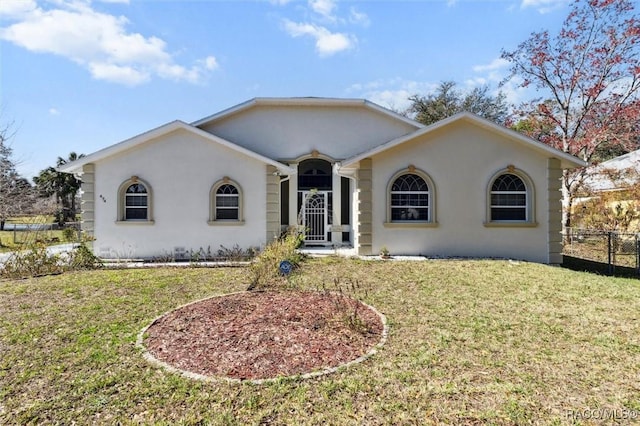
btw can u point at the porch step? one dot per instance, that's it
(323, 251)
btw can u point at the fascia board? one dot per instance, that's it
(114, 149)
(76, 166)
(310, 101)
(567, 160)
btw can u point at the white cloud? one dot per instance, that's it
(544, 6)
(494, 74)
(392, 93)
(324, 8)
(396, 100)
(327, 43)
(126, 75)
(495, 65)
(514, 92)
(210, 63)
(357, 17)
(16, 9)
(54, 111)
(100, 42)
(320, 23)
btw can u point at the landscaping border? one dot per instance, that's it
(313, 374)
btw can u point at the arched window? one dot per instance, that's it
(135, 201)
(225, 202)
(510, 198)
(410, 198)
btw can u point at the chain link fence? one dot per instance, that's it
(24, 234)
(608, 252)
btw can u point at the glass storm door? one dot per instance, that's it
(314, 214)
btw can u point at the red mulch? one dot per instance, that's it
(258, 335)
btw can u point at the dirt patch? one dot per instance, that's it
(261, 335)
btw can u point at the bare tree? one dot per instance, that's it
(17, 196)
(8, 178)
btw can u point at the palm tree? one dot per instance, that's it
(64, 186)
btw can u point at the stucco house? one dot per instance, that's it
(347, 170)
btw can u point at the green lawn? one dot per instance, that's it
(24, 239)
(11, 241)
(471, 342)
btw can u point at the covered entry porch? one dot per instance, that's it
(318, 200)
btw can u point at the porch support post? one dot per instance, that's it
(554, 176)
(336, 228)
(365, 207)
(87, 205)
(293, 197)
(273, 203)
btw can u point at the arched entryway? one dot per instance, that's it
(315, 199)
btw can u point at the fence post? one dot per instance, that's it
(638, 253)
(610, 254)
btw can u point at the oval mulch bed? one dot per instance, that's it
(264, 335)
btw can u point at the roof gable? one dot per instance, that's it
(76, 166)
(289, 128)
(567, 161)
(300, 102)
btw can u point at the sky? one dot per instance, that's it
(80, 75)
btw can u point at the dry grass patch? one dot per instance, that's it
(471, 342)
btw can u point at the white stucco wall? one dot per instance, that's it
(288, 132)
(181, 169)
(461, 160)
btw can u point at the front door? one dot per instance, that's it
(314, 215)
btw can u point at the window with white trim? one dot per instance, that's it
(136, 202)
(225, 203)
(509, 199)
(409, 199)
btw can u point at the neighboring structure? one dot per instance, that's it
(609, 196)
(598, 177)
(349, 171)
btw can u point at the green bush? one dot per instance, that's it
(264, 272)
(33, 262)
(83, 258)
(70, 234)
(37, 261)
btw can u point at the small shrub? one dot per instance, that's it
(165, 257)
(38, 261)
(345, 298)
(264, 272)
(236, 253)
(33, 262)
(83, 258)
(69, 234)
(199, 255)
